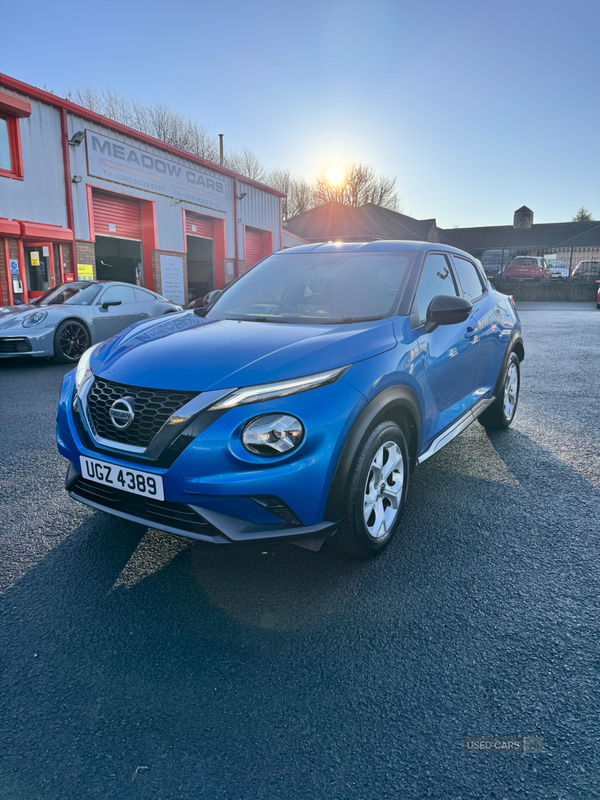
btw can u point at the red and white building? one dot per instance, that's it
(82, 196)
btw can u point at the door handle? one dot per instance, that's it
(141, 315)
(470, 332)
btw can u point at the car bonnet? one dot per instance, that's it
(188, 353)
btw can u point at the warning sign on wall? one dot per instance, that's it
(85, 272)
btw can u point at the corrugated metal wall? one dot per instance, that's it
(259, 210)
(40, 197)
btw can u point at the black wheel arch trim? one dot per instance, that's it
(515, 345)
(402, 406)
(84, 324)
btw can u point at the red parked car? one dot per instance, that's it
(527, 268)
(598, 295)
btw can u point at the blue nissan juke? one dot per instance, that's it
(296, 403)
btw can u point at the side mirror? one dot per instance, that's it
(446, 309)
(105, 306)
(200, 307)
(212, 296)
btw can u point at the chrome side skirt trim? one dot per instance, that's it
(457, 427)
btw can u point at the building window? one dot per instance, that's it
(11, 165)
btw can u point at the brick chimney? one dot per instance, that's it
(523, 218)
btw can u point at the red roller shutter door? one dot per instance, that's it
(115, 215)
(195, 225)
(253, 247)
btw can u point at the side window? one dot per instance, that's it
(11, 163)
(436, 278)
(142, 296)
(123, 293)
(469, 278)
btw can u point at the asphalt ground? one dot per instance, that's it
(136, 664)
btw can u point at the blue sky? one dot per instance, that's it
(476, 107)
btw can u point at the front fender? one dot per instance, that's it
(398, 403)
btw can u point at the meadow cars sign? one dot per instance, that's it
(119, 162)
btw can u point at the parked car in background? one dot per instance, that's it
(527, 268)
(559, 270)
(586, 271)
(296, 403)
(598, 295)
(494, 262)
(66, 320)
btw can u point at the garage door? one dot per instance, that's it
(196, 225)
(253, 247)
(115, 215)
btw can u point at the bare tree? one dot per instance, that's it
(361, 184)
(153, 119)
(246, 163)
(299, 192)
(583, 215)
(301, 197)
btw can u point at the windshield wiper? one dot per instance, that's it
(346, 320)
(264, 319)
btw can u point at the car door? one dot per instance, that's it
(448, 354)
(485, 324)
(112, 320)
(148, 305)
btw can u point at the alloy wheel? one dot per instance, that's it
(383, 491)
(511, 391)
(73, 341)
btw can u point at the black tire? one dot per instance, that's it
(495, 417)
(71, 340)
(354, 539)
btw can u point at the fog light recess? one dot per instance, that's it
(272, 435)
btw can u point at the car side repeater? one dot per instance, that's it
(447, 309)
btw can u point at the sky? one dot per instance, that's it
(477, 108)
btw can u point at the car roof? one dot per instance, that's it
(382, 245)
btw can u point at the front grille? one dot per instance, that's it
(15, 346)
(152, 408)
(160, 512)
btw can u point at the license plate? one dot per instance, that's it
(128, 480)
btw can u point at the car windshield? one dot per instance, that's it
(317, 288)
(59, 294)
(86, 296)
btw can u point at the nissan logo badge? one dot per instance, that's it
(122, 413)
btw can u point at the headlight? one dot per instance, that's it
(273, 434)
(84, 373)
(34, 319)
(271, 391)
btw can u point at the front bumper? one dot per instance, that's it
(214, 488)
(200, 523)
(27, 342)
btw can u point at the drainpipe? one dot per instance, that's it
(236, 266)
(68, 190)
(280, 225)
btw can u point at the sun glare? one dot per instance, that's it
(335, 175)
